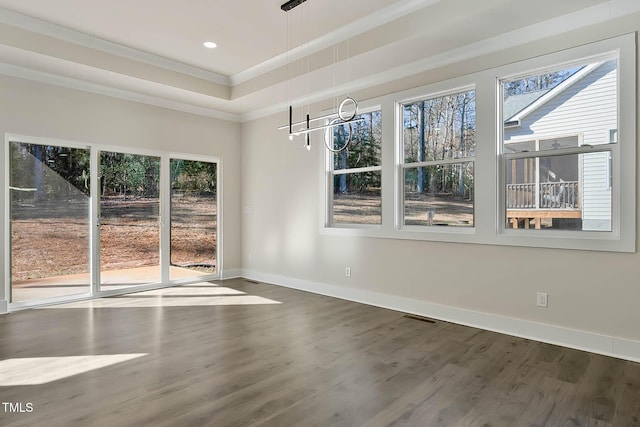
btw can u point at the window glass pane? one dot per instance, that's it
(571, 192)
(366, 142)
(129, 220)
(357, 198)
(579, 105)
(541, 144)
(439, 195)
(193, 218)
(440, 128)
(568, 102)
(49, 213)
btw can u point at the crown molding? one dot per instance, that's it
(39, 26)
(366, 23)
(100, 89)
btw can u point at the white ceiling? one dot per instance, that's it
(151, 51)
(248, 32)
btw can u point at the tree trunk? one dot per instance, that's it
(421, 145)
(462, 147)
(38, 172)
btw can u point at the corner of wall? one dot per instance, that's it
(232, 273)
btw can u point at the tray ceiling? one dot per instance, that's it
(151, 51)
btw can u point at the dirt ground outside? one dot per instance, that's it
(52, 239)
(447, 210)
(357, 209)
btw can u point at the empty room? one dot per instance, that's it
(319, 213)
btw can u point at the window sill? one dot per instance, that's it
(593, 241)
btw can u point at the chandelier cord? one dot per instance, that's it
(344, 117)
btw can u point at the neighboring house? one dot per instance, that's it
(569, 191)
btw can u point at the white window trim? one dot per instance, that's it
(402, 166)
(622, 236)
(489, 224)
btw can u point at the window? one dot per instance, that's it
(539, 152)
(557, 142)
(49, 203)
(355, 173)
(439, 140)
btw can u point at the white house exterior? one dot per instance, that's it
(582, 110)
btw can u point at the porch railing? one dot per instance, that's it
(549, 195)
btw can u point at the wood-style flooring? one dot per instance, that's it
(240, 353)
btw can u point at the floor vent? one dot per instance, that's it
(420, 318)
(252, 281)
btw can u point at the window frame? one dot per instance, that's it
(331, 173)
(489, 174)
(622, 235)
(403, 166)
(94, 253)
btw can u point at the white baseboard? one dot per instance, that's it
(4, 306)
(580, 340)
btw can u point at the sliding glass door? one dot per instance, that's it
(129, 220)
(193, 218)
(88, 222)
(49, 221)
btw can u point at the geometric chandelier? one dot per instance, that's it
(345, 114)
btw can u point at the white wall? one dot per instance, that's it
(594, 297)
(41, 110)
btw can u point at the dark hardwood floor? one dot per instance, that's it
(238, 353)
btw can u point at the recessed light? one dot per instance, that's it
(210, 45)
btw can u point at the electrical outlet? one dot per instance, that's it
(542, 299)
(347, 271)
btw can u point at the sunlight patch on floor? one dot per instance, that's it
(188, 295)
(42, 370)
(144, 300)
(185, 291)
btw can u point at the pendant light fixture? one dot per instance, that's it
(345, 113)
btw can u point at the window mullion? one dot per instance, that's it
(356, 170)
(438, 162)
(583, 149)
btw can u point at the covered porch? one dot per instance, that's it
(540, 204)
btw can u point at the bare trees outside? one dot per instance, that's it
(439, 147)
